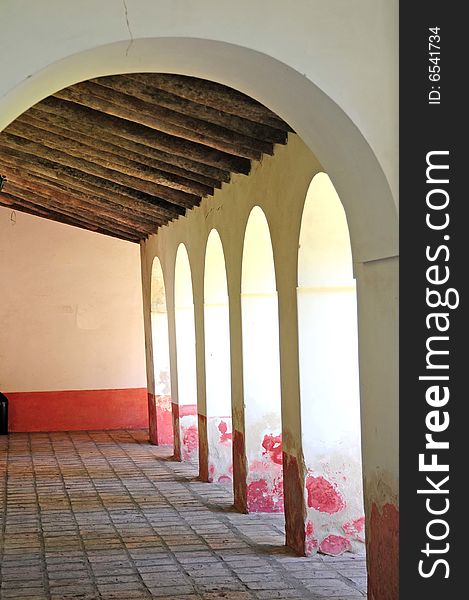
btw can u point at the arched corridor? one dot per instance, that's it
(261, 214)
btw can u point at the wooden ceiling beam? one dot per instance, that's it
(98, 156)
(124, 155)
(161, 192)
(51, 120)
(125, 106)
(113, 145)
(102, 202)
(22, 206)
(85, 216)
(94, 120)
(122, 195)
(73, 206)
(213, 94)
(159, 97)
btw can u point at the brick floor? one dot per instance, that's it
(104, 515)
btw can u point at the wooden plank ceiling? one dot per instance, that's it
(123, 155)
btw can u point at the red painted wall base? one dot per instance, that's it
(161, 420)
(74, 410)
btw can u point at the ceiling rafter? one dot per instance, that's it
(126, 154)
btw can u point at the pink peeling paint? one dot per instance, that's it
(190, 441)
(220, 442)
(355, 529)
(224, 436)
(311, 541)
(334, 545)
(272, 445)
(265, 490)
(264, 496)
(164, 428)
(259, 497)
(323, 496)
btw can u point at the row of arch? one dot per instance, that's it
(328, 372)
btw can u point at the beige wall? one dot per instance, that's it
(70, 308)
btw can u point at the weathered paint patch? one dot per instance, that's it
(265, 479)
(335, 545)
(187, 410)
(260, 498)
(187, 432)
(311, 541)
(355, 529)
(294, 504)
(220, 455)
(323, 496)
(239, 472)
(383, 553)
(272, 445)
(224, 479)
(265, 496)
(190, 441)
(203, 447)
(176, 432)
(224, 436)
(152, 435)
(164, 421)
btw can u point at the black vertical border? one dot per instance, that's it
(425, 128)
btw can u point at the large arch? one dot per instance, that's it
(327, 130)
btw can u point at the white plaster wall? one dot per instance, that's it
(327, 315)
(261, 369)
(217, 330)
(185, 334)
(71, 313)
(159, 327)
(217, 360)
(159, 330)
(261, 358)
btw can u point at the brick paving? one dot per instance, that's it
(105, 515)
